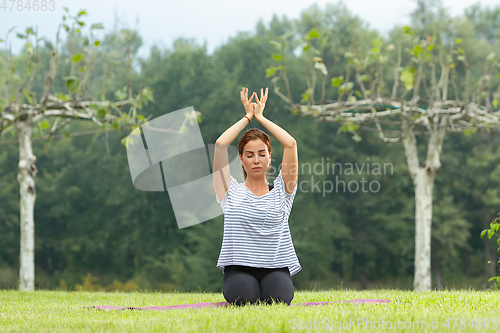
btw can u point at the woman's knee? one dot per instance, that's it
(277, 287)
(240, 288)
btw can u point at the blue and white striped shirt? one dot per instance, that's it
(256, 230)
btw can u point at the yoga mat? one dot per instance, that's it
(226, 304)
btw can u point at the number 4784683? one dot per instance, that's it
(28, 5)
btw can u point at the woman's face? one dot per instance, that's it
(255, 158)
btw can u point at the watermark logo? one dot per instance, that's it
(349, 177)
(168, 154)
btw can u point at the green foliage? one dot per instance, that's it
(77, 57)
(28, 97)
(337, 81)
(485, 22)
(3, 103)
(270, 71)
(275, 43)
(62, 96)
(312, 34)
(90, 285)
(470, 131)
(147, 95)
(407, 30)
(97, 26)
(72, 83)
(121, 94)
(493, 231)
(408, 77)
(377, 42)
(346, 87)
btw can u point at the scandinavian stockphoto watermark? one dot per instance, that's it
(168, 154)
(381, 324)
(311, 176)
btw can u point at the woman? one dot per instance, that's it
(257, 254)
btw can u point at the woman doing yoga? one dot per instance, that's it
(257, 254)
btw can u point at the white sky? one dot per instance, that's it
(161, 22)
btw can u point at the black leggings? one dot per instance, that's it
(243, 284)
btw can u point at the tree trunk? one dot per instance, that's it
(438, 282)
(423, 181)
(493, 262)
(26, 178)
(363, 281)
(488, 272)
(424, 185)
(468, 264)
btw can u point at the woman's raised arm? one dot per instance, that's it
(221, 172)
(289, 165)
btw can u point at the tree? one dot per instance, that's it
(363, 98)
(22, 113)
(486, 22)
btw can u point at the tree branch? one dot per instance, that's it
(52, 72)
(410, 144)
(396, 71)
(383, 137)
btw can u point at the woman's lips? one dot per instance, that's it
(256, 168)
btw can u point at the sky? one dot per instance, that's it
(161, 22)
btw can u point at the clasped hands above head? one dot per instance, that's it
(256, 108)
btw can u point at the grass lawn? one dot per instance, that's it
(55, 311)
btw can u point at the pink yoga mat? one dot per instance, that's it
(226, 304)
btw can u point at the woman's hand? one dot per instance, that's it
(260, 104)
(249, 107)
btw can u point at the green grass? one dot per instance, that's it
(55, 311)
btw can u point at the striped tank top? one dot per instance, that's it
(256, 230)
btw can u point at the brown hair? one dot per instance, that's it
(250, 135)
